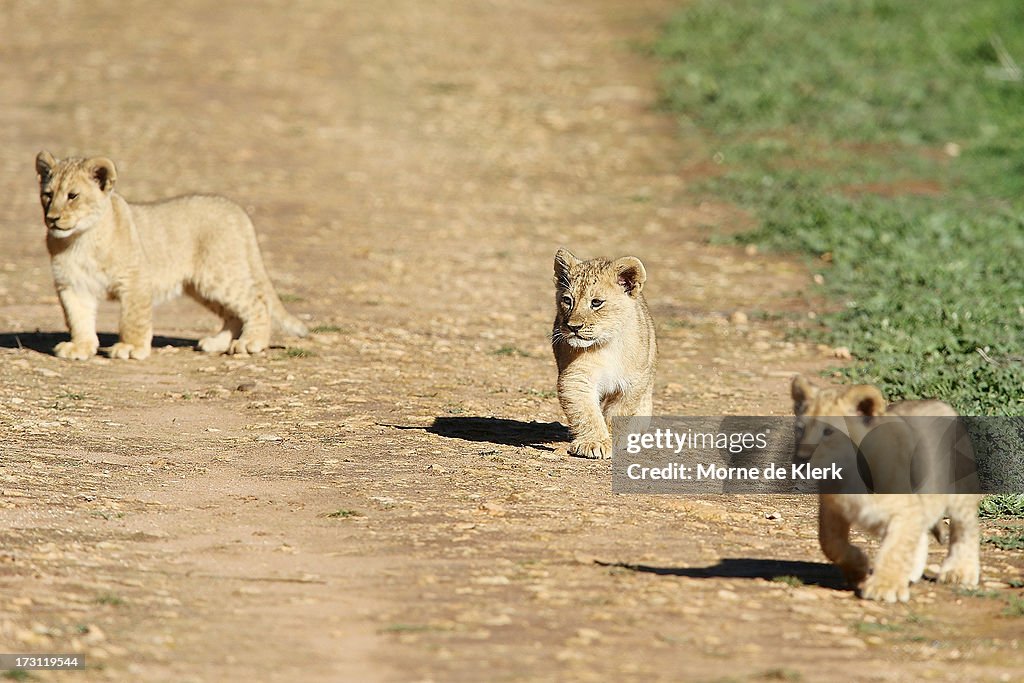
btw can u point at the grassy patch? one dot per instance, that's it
(18, 675)
(1013, 540)
(788, 580)
(298, 352)
(883, 139)
(327, 329)
(1009, 505)
(508, 350)
(866, 628)
(110, 599)
(343, 514)
(978, 593)
(780, 675)
(1014, 607)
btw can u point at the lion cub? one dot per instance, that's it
(902, 520)
(604, 347)
(103, 247)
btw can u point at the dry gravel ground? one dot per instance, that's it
(411, 167)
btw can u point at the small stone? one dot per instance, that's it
(842, 353)
(269, 437)
(819, 279)
(739, 318)
(775, 516)
(246, 386)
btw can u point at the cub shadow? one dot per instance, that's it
(501, 431)
(821, 574)
(43, 342)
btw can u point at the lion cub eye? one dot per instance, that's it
(47, 196)
(72, 195)
(566, 300)
(596, 303)
(828, 431)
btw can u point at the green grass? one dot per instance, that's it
(509, 350)
(868, 628)
(110, 599)
(343, 514)
(884, 140)
(1014, 606)
(18, 675)
(299, 352)
(789, 580)
(829, 119)
(1011, 505)
(326, 329)
(1012, 539)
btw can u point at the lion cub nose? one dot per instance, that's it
(574, 328)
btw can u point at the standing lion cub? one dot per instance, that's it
(834, 424)
(604, 346)
(103, 247)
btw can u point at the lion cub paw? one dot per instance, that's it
(243, 346)
(124, 351)
(876, 587)
(962, 573)
(73, 350)
(216, 343)
(593, 450)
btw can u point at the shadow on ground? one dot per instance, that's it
(43, 342)
(501, 430)
(808, 573)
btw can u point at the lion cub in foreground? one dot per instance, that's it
(902, 520)
(604, 347)
(103, 247)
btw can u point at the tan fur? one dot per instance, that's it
(103, 247)
(604, 346)
(902, 520)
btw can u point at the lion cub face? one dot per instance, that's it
(833, 421)
(73, 192)
(594, 297)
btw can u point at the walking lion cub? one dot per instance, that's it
(603, 340)
(103, 247)
(837, 424)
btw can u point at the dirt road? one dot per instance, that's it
(390, 499)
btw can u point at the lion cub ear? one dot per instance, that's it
(564, 261)
(866, 399)
(103, 172)
(803, 392)
(630, 275)
(44, 164)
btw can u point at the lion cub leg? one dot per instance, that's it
(834, 536)
(135, 328)
(80, 316)
(637, 405)
(245, 312)
(920, 559)
(895, 563)
(231, 329)
(961, 565)
(591, 438)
